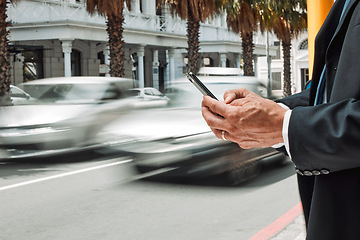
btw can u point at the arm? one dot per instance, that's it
(293, 101)
(296, 100)
(326, 136)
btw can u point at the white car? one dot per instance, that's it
(18, 96)
(148, 97)
(64, 116)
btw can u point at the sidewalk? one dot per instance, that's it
(294, 231)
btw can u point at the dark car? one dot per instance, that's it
(178, 140)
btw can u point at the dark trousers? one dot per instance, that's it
(331, 205)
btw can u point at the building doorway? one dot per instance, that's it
(75, 63)
(33, 65)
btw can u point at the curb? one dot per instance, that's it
(295, 230)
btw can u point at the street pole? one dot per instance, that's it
(317, 11)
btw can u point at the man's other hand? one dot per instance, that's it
(248, 119)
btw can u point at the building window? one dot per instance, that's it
(227, 63)
(276, 80)
(101, 57)
(304, 45)
(304, 77)
(277, 44)
(208, 62)
(33, 65)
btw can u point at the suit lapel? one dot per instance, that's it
(343, 23)
(342, 20)
(322, 43)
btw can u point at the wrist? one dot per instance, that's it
(278, 137)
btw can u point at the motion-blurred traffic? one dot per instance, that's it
(159, 131)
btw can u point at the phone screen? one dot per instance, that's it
(199, 85)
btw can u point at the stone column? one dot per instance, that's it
(223, 19)
(223, 59)
(17, 74)
(238, 60)
(136, 6)
(255, 65)
(172, 64)
(106, 52)
(67, 49)
(141, 54)
(155, 68)
(167, 71)
(149, 7)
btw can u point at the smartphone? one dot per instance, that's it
(199, 85)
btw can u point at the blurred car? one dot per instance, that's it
(84, 90)
(178, 139)
(217, 80)
(65, 115)
(18, 96)
(148, 97)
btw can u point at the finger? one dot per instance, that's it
(248, 144)
(229, 96)
(240, 102)
(239, 93)
(222, 134)
(215, 106)
(213, 120)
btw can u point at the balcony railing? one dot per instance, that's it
(39, 12)
(47, 11)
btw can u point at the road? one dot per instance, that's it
(103, 198)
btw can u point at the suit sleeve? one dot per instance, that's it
(299, 99)
(296, 100)
(326, 136)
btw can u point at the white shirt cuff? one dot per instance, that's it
(285, 130)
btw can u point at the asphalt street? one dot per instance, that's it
(104, 198)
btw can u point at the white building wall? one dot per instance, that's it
(45, 22)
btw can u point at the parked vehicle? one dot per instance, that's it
(65, 115)
(148, 97)
(178, 139)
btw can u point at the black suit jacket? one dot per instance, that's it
(325, 140)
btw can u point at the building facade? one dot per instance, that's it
(51, 38)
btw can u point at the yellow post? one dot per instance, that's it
(317, 11)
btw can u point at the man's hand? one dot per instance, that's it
(248, 119)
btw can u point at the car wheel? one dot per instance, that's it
(242, 172)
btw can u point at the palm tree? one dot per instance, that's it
(194, 11)
(287, 19)
(113, 10)
(242, 19)
(5, 99)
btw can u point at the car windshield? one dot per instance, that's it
(133, 92)
(66, 92)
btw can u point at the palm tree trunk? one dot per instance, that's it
(4, 57)
(116, 43)
(247, 53)
(287, 68)
(193, 27)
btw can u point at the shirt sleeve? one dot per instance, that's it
(285, 130)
